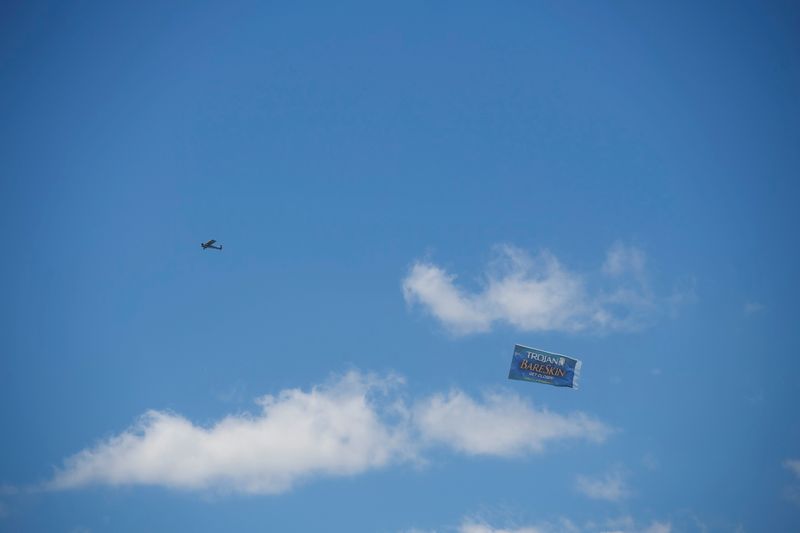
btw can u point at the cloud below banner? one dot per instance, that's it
(349, 425)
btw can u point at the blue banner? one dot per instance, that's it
(530, 364)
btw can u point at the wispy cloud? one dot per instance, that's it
(611, 487)
(537, 293)
(508, 520)
(624, 260)
(7, 490)
(350, 425)
(474, 527)
(491, 428)
(650, 461)
(624, 524)
(792, 492)
(793, 466)
(751, 308)
(658, 527)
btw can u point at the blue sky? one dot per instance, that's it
(403, 193)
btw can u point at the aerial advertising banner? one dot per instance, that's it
(530, 364)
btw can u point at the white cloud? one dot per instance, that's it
(434, 288)
(331, 430)
(492, 428)
(348, 426)
(611, 487)
(535, 294)
(624, 524)
(474, 527)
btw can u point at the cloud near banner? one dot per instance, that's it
(537, 293)
(352, 424)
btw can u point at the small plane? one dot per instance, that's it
(210, 244)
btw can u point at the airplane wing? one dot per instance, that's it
(209, 243)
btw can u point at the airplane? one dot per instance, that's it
(210, 244)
